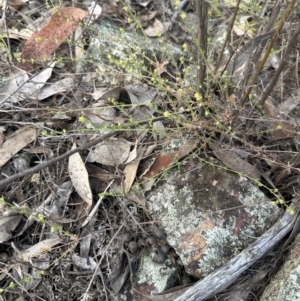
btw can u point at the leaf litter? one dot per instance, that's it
(65, 111)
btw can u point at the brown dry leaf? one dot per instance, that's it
(157, 29)
(110, 152)
(43, 43)
(80, 178)
(165, 160)
(39, 248)
(131, 169)
(281, 128)
(16, 142)
(234, 162)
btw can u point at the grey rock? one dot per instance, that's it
(124, 55)
(285, 285)
(210, 214)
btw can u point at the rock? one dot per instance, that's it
(285, 285)
(210, 214)
(153, 277)
(123, 55)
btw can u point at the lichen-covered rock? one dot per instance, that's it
(285, 285)
(210, 214)
(152, 278)
(124, 55)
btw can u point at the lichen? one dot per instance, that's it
(209, 215)
(160, 275)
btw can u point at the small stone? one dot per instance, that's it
(165, 248)
(142, 242)
(150, 241)
(160, 258)
(133, 247)
(126, 238)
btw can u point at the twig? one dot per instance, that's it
(254, 58)
(227, 37)
(264, 59)
(102, 256)
(202, 12)
(289, 48)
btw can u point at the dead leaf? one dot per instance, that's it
(60, 86)
(16, 4)
(163, 161)
(159, 129)
(234, 162)
(148, 17)
(79, 47)
(170, 294)
(7, 225)
(40, 150)
(2, 130)
(281, 127)
(84, 263)
(289, 104)
(99, 173)
(19, 87)
(16, 142)
(94, 9)
(119, 274)
(39, 248)
(131, 169)
(140, 94)
(157, 29)
(80, 178)
(107, 93)
(132, 155)
(100, 116)
(43, 43)
(37, 24)
(110, 152)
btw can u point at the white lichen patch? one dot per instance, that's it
(257, 205)
(159, 275)
(218, 240)
(177, 216)
(291, 291)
